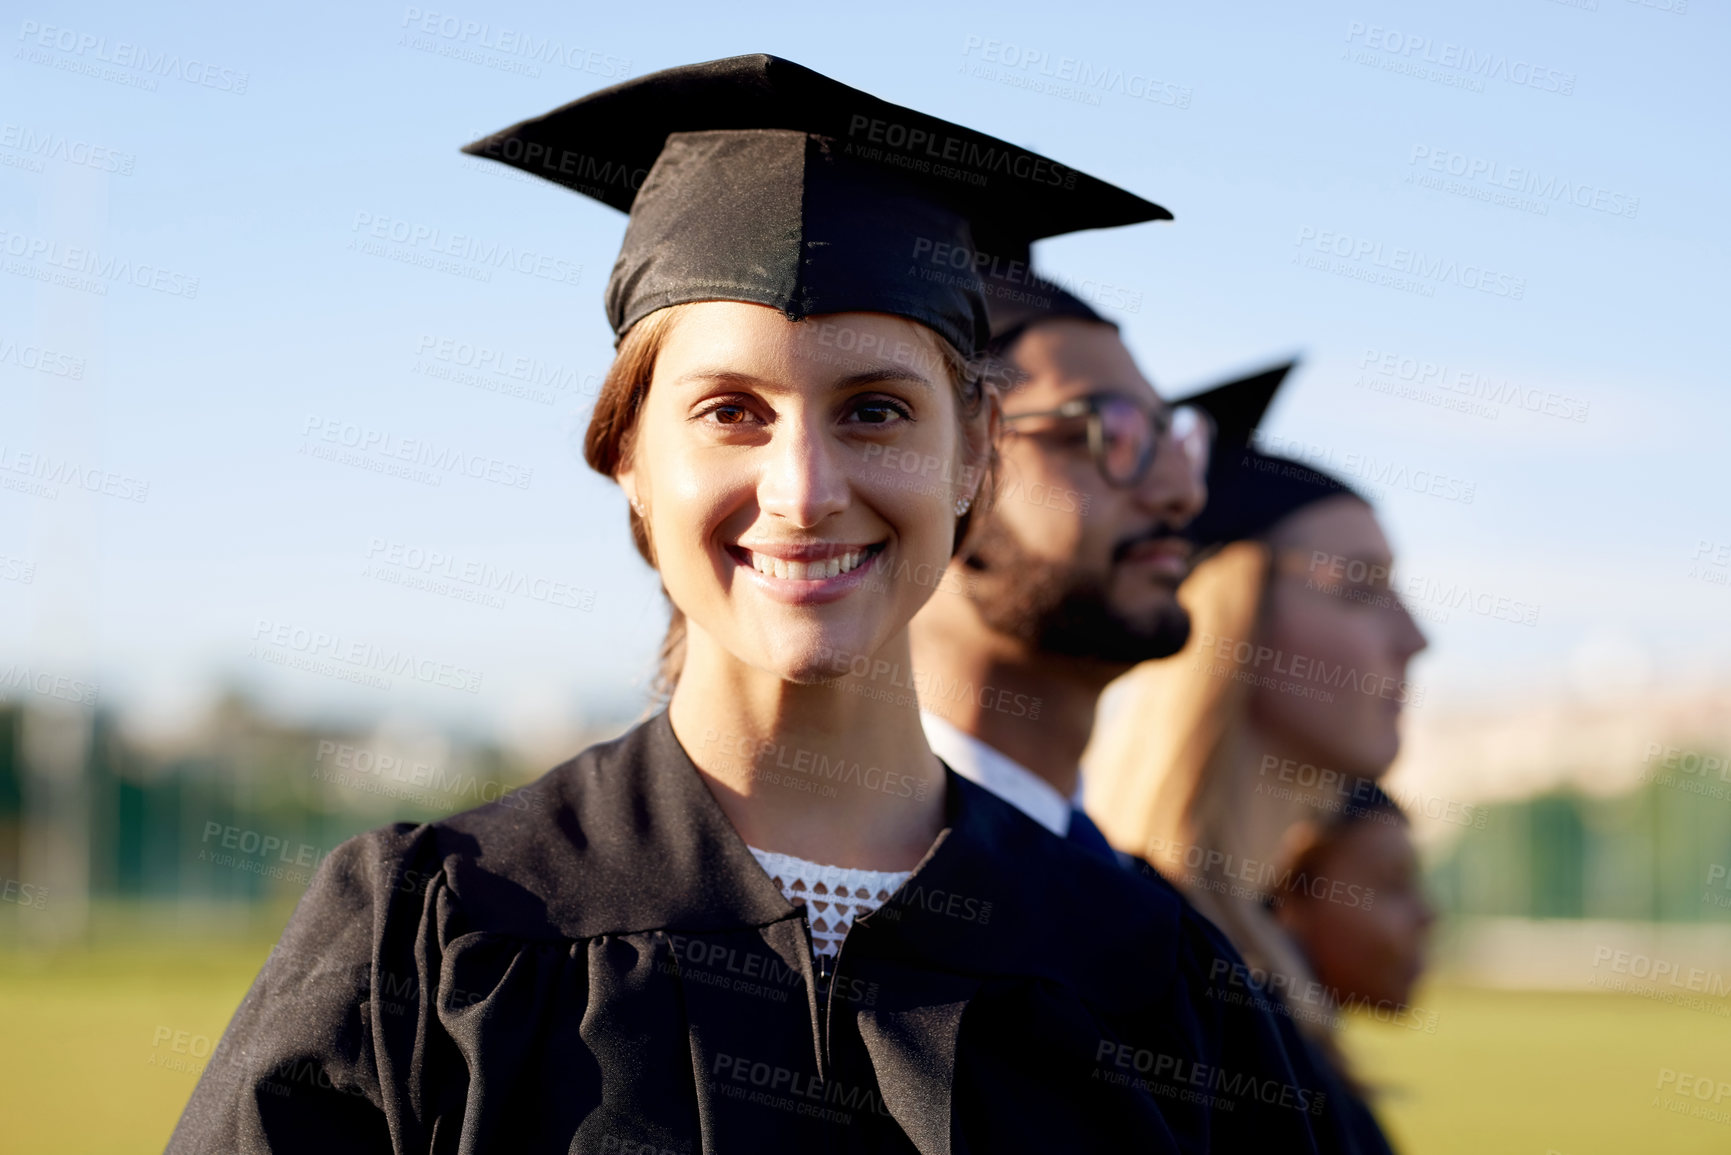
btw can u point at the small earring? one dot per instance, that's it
(637, 507)
(963, 504)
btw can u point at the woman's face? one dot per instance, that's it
(1341, 640)
(798, 481)
(1372, 950)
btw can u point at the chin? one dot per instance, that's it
(1384, 755)
(1367, 758)
(1154, 603)
(1157, 632)
(815, 670)
(817, 657)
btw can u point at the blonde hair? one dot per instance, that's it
(1171, 776)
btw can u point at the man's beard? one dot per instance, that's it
(1052, 608)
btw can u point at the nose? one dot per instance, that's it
(804, 477)
(1409, 640)
(1173, 489)
(1426, 913)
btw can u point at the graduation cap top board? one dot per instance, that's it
(755, 179)
(1248, 490)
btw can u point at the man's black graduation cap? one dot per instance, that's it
(755, 179)
(1017, 297)
(1248, 490)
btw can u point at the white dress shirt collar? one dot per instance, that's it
(1002, 775)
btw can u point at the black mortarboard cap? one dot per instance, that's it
(756, 179)
(1248, 490)
(1017, 297)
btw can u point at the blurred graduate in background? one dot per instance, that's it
(1245, 767)
(1070, 580)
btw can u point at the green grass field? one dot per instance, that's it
(1571, 1074)
(102, 1048)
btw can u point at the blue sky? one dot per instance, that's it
(1539, 181)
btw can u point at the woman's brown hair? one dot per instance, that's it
(607, 446)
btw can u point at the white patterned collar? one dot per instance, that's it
(1001, 774)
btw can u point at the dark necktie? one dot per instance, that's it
(1085, 834)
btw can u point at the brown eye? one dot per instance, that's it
(880, 411)
(726, 413)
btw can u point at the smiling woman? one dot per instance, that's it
(768, 918)
(847, 407)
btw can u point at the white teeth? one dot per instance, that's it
(807, 571)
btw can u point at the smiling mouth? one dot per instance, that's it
(1172, 551)
(840, 561)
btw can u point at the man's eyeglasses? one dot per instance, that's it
(1123, 437)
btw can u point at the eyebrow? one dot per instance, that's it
(1303, 560)
(1382, 561)
(873, 375)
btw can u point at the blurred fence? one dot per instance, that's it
(241, 810)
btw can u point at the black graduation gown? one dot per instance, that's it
(1349, 1124)
(1365, 1134)
(1341, 1122)
(597, 964)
